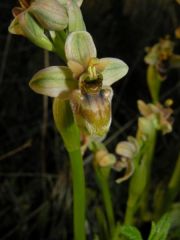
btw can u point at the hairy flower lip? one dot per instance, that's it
(92, 112)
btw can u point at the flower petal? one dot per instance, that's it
(53, 81)
(144, 109)
(80, 47)
(112, 69)
(24, 3)
(15, 27)
(76, 68)
(33, 31)
(16, 11)
(50, 14)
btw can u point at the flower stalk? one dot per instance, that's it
(167, 195)
(66, 126)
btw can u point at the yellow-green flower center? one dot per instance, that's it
(91, 81)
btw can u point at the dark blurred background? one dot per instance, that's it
(35, 185)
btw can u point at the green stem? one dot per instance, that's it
(167, 197)
(140, 181)
(102, 178)
(78, 194)
(130, 210)
(154, 81)
(58, 40)
(174, 183)
(148, 162)
(102, 223)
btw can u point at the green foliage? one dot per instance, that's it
(159, 230)
(131, 232)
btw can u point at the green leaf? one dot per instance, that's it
(131, 232)
(175, 215)
(112, 70)
(50, 14)
(53, 81)
(159, 230)
(33, 31)
(76, 22)
(80, 47)
(65, 124)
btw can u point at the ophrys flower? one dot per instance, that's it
(160, 115)
(85, 82)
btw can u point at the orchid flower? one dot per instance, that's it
(160, 115)
(125, 151)
(33, 16)
(162, 57)
(85, 82)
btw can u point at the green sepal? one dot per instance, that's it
(76, 22)
(154, 82)
(53, 81)
(33, 31)
(65, 124)
(64, 2)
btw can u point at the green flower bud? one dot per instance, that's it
(51, 15)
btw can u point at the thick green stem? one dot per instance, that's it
(78, 194)
(69, 131)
